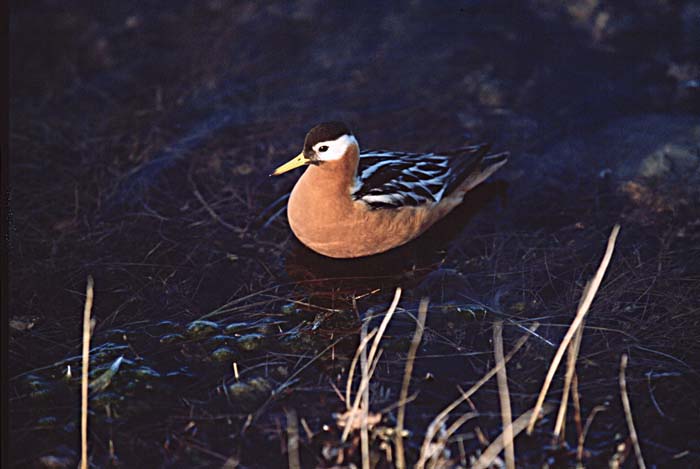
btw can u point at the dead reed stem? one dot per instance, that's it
(576, 398)
(589, 293)
(572, 356)
(491, 453)
(351, 373)
(628, 413)
(293, 439)
(84, 379)
(403, 396)
(504, 395)
(364, 406)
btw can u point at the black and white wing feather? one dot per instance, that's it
(388, 179)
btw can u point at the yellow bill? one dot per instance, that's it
(299, 160)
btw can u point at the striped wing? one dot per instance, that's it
(388, 179)
(397, 179)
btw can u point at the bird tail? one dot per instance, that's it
(489, 165)
(475, 167)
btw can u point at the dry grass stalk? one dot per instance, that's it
(447, 434)
(452, 429)
(364, 406)
(307, 429)
(576, 399)
(628, 413)
(572, 356)
(589, 293)
(504, 395)
(87, 311)
(372, 360)
(293, 439)
(403, 397)
(491, 453)
(351, 373)
(442, 416)
(584, 433)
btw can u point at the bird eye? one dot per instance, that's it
(323, 148)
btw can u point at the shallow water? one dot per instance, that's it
(141, 139)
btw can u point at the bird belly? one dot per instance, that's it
(356, 231)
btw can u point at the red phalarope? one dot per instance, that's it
(350, 203)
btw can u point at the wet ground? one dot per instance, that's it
(142, 134)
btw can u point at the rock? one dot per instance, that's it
(676, 160)
(223, 354)
(171, 338)
(56, 462)
(289, 308)
(202, 329)
(222, 340)
(250, 342)
(163, 327)
(23, 323)
(108, 351)
(249, 394)
(145, 372)
(236, 327)
(102, 399)
(48, 421)
(653, 159)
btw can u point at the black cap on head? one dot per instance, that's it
(324, 132)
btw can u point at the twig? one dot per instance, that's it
(398, 404)
(589, 293)
(628, 413)
(307, 429)
(84, 379)
(584, 433)
(215, 216)
(293, 439)
(191, 443)
(504, 395)
(456, 424)
(403, 396)
(653, 398)
(491, 453)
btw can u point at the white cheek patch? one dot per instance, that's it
(336, 148)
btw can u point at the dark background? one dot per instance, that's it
(141, 137)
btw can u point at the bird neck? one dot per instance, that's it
(334, 177)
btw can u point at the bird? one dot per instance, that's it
(350, 203)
